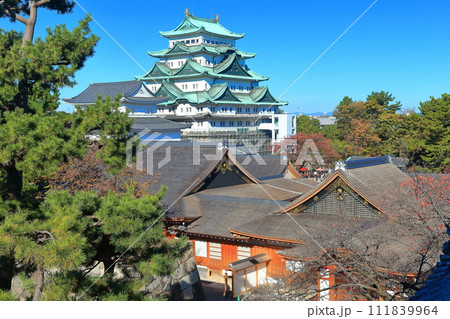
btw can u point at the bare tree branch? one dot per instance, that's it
(41, 2)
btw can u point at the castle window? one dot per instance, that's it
(247, 110)
(239, 109)
(213, 109)
(255, 109)
(222, 123)
(247, 123)
(239, 123)
(231, 123)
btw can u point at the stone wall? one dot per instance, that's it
(183, 284)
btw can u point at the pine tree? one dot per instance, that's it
(61, 235)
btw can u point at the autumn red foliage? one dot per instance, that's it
(325, 149)
(91, 174)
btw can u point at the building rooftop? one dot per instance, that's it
(181, 49)
(156, 124)
(192, 25)
(229, 68)
(125, 89)
(437, 285)
(217, 94)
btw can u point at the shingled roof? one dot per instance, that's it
(264, 166)
(437, 286)
(184, 169)
(112, 89)
(219, 213)
(365, 233)
(371, 182)
(156, 124)
(400, 162)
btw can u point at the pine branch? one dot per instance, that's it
(42, 233)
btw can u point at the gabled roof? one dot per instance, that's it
(112, 89)
(217, 94)
(169, 90)
(181, 49)
(190, 68)
(231, 66)
(262, 94)
(370, 182)
(159, 69)
(194, 25)
(186, 169)
(228, 68)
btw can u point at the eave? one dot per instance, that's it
(283, 240)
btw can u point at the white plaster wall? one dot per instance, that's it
(153, 86)
(186, 109)
(201, 85)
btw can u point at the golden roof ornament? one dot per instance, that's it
(217, 18)
(186, 12)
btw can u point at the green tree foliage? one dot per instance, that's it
(376, 127)
(60, 235)
(35, 138)
(431, 137)
(71, 233)
(346, 101)
(307, 125)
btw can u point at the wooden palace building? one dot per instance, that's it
(253, 220)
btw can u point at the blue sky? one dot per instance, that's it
(400, 46)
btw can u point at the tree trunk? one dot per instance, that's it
(39, 284)
(7, 268)
(13, 187)
(30, 24)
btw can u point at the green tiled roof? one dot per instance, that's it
(168, 89)
(193, 25)
(218, 93)
(180, 49)
(228, 68)
(160, 69)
